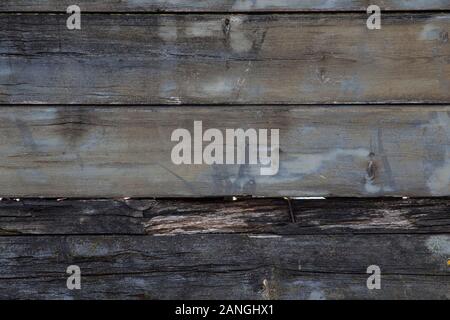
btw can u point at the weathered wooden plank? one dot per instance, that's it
(233, 285)
(256, 216)
(70, 217)
(221, 5)
(272, 216)
(226, 266)
(224, 59)
(126, 152)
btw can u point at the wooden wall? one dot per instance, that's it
(86, 176)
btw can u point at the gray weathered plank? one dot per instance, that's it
(256, 216)
(224, 59)
(226, 266)
(92, 151)
(220, 5)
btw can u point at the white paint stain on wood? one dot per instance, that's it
(244, 5)
(439, 245)
(439, 181)
(436, 29)
(239, 42)
(312, 163)
(219, 87)
(168, 33)
(200, 29)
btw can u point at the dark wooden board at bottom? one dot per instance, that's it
(324, 255)
(226, 266)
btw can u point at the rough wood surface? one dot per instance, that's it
(219, 216)
(224, 59)
(264, 65)
(226, 266)
(346, 151)
(221, 5)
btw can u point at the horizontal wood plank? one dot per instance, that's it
(126, 152)
(224, 59)
(220, 5)
(274, 216)
(255, 216)
(226, 266)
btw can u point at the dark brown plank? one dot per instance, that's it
(256, 216)
(343, 151)
(70, 217)
(226, 266)
(221, 5)
(224, 59)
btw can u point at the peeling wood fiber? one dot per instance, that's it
(219, 216)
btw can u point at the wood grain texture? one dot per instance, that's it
(272, 216)
(221, 5)
(224, 59)
(220, 216)
(226, 266)
(341, 151)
